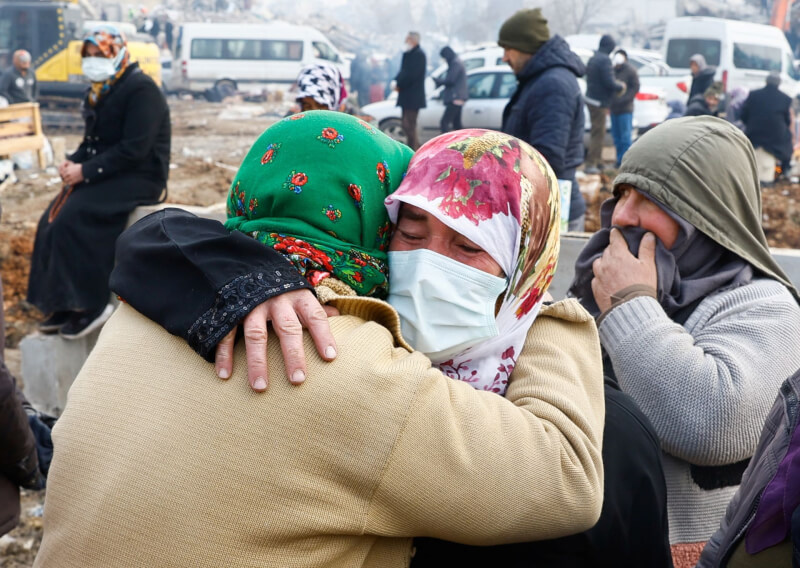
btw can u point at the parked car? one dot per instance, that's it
(490, 87)
(743, 53)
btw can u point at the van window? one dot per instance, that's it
(753, 56)
(247, 49)
(324, 51)
(680, 50)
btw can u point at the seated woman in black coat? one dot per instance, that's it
(122, 162)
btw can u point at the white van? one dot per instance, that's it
(246, 56)
(743, 53)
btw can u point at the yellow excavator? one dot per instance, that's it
(52, 32)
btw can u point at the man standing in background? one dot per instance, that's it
(622, 104)
(546, 110)
(767, 118)
(600, 90)
(455, 93)
(702, 75)
(18, 83)
(411, 87)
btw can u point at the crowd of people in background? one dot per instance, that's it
(634, 423)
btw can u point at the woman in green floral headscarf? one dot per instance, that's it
(332, 171)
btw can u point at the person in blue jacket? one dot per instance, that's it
(546, 110)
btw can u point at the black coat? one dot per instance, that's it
(125, 161)
(702, 81)
(455, 80)
(600, 84)
(411, 80)
(546, 111)
(623, 104)
(18, 459)
(767, 121)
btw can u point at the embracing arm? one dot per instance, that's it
(198, 280)
(533, 459)
(707, 393)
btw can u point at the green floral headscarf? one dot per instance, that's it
(312, 187)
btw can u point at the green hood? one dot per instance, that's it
(704, 169)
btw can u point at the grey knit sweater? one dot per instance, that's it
(706, 386)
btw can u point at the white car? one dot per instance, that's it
(489, 91)
(490, 87)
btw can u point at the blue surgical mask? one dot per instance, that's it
(98, 69)
(445, 306)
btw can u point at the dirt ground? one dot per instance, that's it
(208, 143)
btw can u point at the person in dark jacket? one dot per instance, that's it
(702, 75)
(19, 464)
(18, 83)
(707, 103)
(122, 162)
(455, 91)
(411, 87)
(622, 104)
(546, 110)
(601, 87)
(767, 119)
(761, 524)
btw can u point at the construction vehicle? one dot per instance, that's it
(53, 32)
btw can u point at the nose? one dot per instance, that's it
(625, 213)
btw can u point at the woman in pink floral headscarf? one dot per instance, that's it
(500, 195)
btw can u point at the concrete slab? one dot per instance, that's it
(50, 365)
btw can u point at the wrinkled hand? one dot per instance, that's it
(71, 173)
(289, 314)
(618, 269)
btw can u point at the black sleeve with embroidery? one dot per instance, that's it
(196, 279)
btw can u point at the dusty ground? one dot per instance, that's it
(208, 143)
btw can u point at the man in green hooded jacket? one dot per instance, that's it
(698, 322)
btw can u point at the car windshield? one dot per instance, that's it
(680, 50)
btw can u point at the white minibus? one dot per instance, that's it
(743, 53)
(246, 56)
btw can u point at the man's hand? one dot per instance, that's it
(71, 173)
(289, 314)
(618, 269)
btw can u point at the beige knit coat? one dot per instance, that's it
(158, 463)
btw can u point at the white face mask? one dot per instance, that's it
(445, 306)
(618, 59)
(97, 69)
(409, 46)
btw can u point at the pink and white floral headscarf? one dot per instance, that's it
(500, 193)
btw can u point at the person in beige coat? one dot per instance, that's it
(158, 463)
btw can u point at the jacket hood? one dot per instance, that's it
(447, 53)
(704, 169)
(554, 53)
(607, 44)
